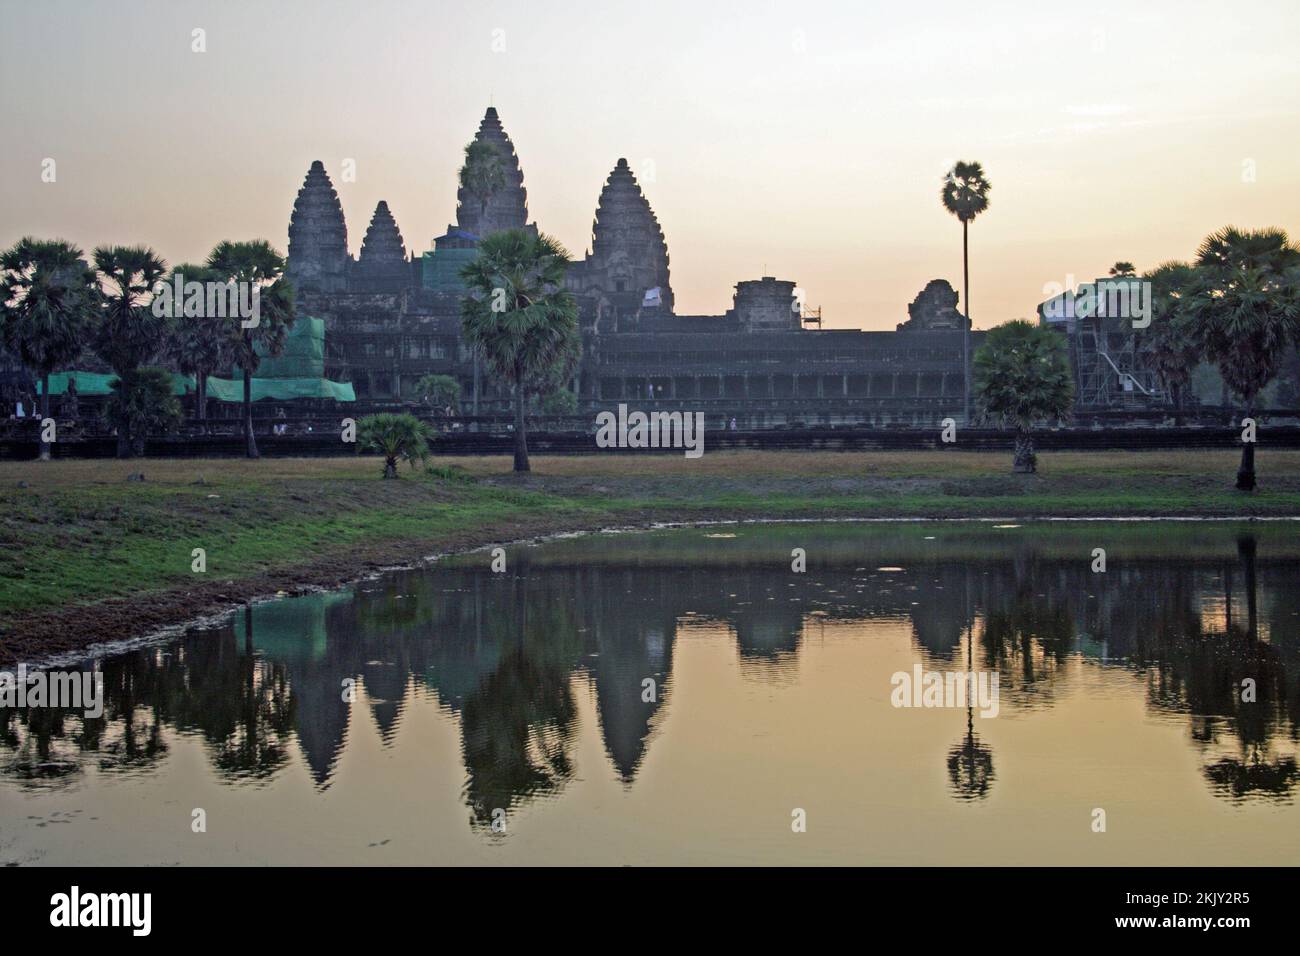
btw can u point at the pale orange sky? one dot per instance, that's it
(803, 140)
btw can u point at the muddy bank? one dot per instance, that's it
(42, 634)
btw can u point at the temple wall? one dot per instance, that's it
(385, 342)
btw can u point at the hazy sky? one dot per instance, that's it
(799, 139)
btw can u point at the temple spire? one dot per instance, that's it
(318, 235)
(382, 250)
(628, 251)
(506, 206)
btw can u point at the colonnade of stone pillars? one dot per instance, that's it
(901, 385)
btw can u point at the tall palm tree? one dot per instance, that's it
(1243, 308)
(518, 316)
(200, 344)
(48, 300)
(129, 334)
(1023, 378)
(965, 194)
(256, 263)
(1123, 270)
(482, 175)
(1165, 344)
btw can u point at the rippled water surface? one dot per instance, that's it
(679, 696)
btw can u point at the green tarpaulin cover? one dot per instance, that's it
(280, 389)
(297, 372)
(90, 384)
(303, 355)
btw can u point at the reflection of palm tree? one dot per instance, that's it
(517, 731)
(518, 724)
(1028, 637)
(1239, 779)
(970, 763)
(970, 766)
(1246, 547)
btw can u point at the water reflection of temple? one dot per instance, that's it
(506, 653)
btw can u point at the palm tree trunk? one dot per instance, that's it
(250, 439)
(476, 386)
(521, 435)
(1024, 462)
(201, 395)
(45, 413)
(965, 335)
(390, 467)
(1246, 471)
(125, 448)
(1246, 549)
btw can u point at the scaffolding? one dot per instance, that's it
(1109, 370)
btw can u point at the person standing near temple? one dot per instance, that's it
(70, 407)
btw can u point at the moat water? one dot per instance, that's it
(685, 696)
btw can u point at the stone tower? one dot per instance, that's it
(628, 252)
(508, 207)
(383, 254)
(767, 305)
(318, 235)
(934, 309)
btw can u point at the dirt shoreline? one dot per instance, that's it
(40, 635)
(65, 633)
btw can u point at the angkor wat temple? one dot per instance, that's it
(392, 317)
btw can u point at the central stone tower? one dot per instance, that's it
(507, 208)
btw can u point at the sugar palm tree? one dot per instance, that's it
(1123, 270)
(200, 344)
(1165, 345)
(129, 334)
(1022, 379)
(394, 437)
(965, 194)
(256, 263)
(518, 316)
(482, 175)
(48, 300)
(1243, 308)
